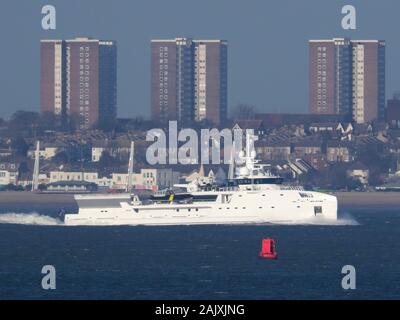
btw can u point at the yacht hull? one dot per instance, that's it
(243, 207)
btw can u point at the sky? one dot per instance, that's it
(268, 44)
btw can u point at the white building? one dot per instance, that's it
(48, 150)
(116, 149)
(56, 176)
(8, 173)
(147, 179)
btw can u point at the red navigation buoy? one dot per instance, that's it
(268, 249)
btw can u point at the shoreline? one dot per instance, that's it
(345, 199)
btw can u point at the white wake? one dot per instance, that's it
(29, 219)
(343, 220)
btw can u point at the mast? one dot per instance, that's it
(231, 172)
(130, 167)
(35, 178)
(250, 154)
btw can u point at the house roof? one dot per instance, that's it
(120, 143)
(358, 166)
(333, 125)
(360, 128)
(248, 124)
(308, 142)
(272, 143)
(11, 167)
(340, 144)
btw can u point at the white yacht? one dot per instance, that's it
(251, 195)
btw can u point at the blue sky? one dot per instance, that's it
(268, 52)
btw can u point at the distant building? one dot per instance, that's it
(79, 78)
(306, 119)
(273, 150)
(48, 150)
(251, 124)
(307, 146)
(393, 112)
(71, 187)
(8, 174)
(330, 76)
(151, 179)
(116, 148)
(340, 151)
(189, 80)
(368, 80)
(360, 172)
(56, 176)
(347, 77)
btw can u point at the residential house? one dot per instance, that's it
(255, 124)
(152, 179)
(115, 148)
(8, 174)
(359, 172)
(48, 149)
(56, 176)
(71, 187)
(307, 146)
(273, 149)
(340, 151)
(362, 129)
(325, 127)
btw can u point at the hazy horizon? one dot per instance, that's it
(267, 44)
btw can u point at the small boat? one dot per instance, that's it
(268, 250)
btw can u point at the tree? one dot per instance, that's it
(61, 158)
(106, 125)
(354, 184)
(49, 121)
(243, 112)
(42, 187)
(20, 146)
(24, 121)
(106, 160)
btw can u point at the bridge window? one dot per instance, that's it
(305, 195)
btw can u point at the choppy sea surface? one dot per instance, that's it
(199, 262)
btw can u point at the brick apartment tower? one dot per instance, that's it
(348, 78)
(53, 76)
(368, 80)
(330, 76)
(79, 78)
(189, 80)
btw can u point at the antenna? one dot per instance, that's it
(130, 167)
(35, 178)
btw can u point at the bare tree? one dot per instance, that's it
(243, 112)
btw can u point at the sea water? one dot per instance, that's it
(200, 262)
